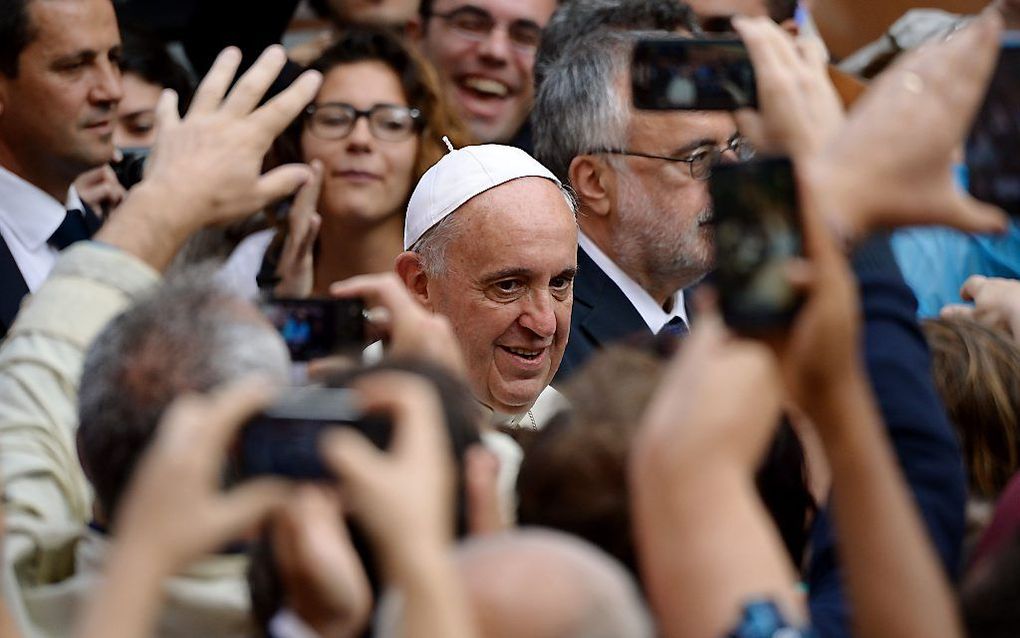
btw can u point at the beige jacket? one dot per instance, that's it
(51, 559)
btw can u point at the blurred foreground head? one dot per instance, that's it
(188, 335)
(536, 583)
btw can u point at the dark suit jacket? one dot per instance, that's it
(602, 315)
(12, 288)
(899, 365)
(12, 285)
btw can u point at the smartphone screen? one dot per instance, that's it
(757, 231)
(315, 328)
(678, 73)
(284, 440)
(993, 148)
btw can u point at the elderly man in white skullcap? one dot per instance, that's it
(491, 243)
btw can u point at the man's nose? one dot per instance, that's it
(496, 47)
(108, 86)
(540, 316)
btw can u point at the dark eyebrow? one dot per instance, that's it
(570, 273)
(469, 8)
(77, 56)
(523, 22)
(505, 273)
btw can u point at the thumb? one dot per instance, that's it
(281, 182)
(250, 503)
(351, 456)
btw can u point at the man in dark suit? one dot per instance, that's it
(59, 88)
(640, 179)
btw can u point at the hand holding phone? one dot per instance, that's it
(284, 439)
(689, 74)
(758, 231)
(315, 328)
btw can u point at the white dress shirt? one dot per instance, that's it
(28, 218)
(648, 308)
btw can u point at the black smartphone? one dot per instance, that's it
(315, 328)
(284, 439)
(757, 230)
(993, 148)
(678, 73)
(131, 168)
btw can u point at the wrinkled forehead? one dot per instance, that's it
(538, 11)
(527, 219)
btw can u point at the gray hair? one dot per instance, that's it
(572, 20)
(432, 246)
(187, 335)
(609, 602)
(579, 106)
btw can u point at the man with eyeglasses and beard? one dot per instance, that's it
(641, 181)
(484, 51)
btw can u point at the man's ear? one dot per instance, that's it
(594, 182)
(416, 280)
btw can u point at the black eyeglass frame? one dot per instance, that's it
(469, 10)
(417, 119)
(714, 155)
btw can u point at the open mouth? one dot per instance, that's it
(527, 354)
(485, 87)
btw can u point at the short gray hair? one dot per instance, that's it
(579, 106)
(188, 335)
(432, 246)
(572, 20)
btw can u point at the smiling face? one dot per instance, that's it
(365, 179)
(488, 76)
(57, 115)
(508, 289)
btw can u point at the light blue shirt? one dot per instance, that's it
(936, 261)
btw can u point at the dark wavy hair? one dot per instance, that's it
(418, 80)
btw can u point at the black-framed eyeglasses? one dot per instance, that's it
(475, 24)
(388, 122)
(700, 160)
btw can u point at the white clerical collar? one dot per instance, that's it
(648, 308)
(31, 214)
(548, 404)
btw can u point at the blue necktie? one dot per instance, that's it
(676, 327)
(78, 225)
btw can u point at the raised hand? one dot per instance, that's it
(100, 190)
(891, 165)
(410, 330)
(207, 168)
(321, 572)
(799, 111)
(296, 269)
(996, 303)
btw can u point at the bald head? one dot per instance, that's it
(536, 583)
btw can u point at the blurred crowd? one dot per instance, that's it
(550, 413)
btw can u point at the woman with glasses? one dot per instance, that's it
(373, 129)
